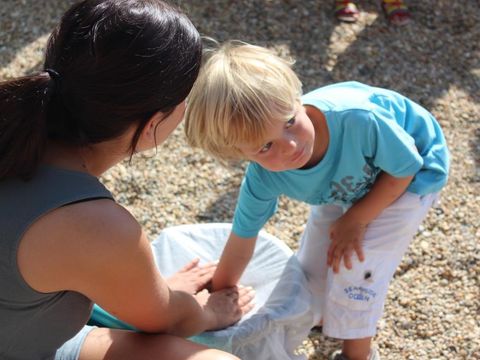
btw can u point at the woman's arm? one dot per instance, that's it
(98, 249)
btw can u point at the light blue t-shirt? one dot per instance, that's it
(371, 130)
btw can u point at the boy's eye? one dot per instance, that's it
(290, 123)
(266, 147)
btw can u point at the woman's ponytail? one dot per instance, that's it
(110, 65)
(23, 126)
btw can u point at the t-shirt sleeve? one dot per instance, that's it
(390, 147)
(256, 204)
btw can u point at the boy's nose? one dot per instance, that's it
(289, 146)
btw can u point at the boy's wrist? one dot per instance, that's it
(215, 285)
(358, 214)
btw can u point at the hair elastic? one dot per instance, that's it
(54, 75)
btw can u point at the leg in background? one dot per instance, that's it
(357, 349)
(396, 11)
(346, 10)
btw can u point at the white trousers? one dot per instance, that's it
(351, 301)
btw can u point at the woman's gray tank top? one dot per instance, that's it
(34, 325)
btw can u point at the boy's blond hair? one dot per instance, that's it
(240, 90)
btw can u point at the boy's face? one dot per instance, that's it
(289, 145)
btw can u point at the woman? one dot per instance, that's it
(116, 75)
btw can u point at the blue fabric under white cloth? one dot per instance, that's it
(283, 313)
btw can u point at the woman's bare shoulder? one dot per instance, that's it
(76, 237)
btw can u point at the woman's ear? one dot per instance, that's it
(148, 132)
(147, 138)
(159, 127)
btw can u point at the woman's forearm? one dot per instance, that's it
(188, 316)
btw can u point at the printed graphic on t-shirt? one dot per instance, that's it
(350, 188)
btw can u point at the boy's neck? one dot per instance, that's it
(321, 135)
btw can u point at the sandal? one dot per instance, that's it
(396, 12)
(346, 10)
(316, 330)
(337, 355)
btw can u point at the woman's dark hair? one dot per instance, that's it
(108, 64)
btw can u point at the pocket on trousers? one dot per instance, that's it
(361, 287)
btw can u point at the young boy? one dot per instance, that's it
(370, 162)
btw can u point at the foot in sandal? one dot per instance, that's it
(396, 12)
(346, 10)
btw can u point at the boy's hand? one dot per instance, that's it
(192, 277)
(346, 235)
(348, 231)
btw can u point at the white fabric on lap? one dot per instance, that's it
(283, 314)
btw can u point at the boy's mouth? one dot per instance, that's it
(298, 155)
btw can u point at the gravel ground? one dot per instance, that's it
(433, 307)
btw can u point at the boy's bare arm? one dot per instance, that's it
(348, 231)
(384, 192)
(235, 257)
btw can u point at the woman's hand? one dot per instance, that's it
(225, 307)
(346, 236)
(192, 277)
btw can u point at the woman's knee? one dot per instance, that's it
(212, 354)
(105, 344)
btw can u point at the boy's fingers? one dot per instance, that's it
(330, 253)
(207, 272)
(243, 290)
(246, 298)
(191, 265)
(204, 279)
(359, 251)
(334, 253)
(246, 308)
(337, 257)
(347, 259)
(335, 265)
(210, 265)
